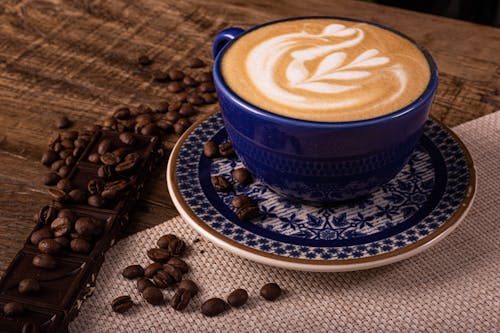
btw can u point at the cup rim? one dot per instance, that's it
(426, 94)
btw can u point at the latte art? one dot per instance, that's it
(326, 70)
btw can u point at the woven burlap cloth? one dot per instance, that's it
(452, 287)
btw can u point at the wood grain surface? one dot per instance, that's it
(79, 58)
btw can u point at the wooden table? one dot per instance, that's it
(79, 58)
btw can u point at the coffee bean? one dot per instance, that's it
(94, 158)
(151, 270)
(57, 165)
(77, 196)
(140, 125)
(127, 138)
(57, 147)
(129, 163)
(63, 155)
(86, 226)
(210, 149)
(28, 287)
(162, 279)
(221, 184)
(63, 241)
(106, 171)
(188, 285)
(78, 151)
(67, 144)
(122, 113)
(165, 125)
(49, 157)
(195, 99)
(144, 60)
(64, 185)
(208, 98)
(237, 297)
(242, 200)
(67, 213)
(213, 307)
(63, 122)
(160, 76)
(270, 291)
(13, 309)
(189, 81)
(95, 186)
(175, 75)
(110, 194)
(45, 261)
(80, 245)
(174, 106)
(179, 263)
(248, 212)
(153, 295)
(164, 241)
(181, 126)
(242, 176)
(109, 123)
(121, 152)
(61, 226)
(226, 150)
(117, 185)
(69, 160)
(144, 283)
(53, 139)
(162, 107)
(175, 87)
(47, 214)
(64, 171)
(146, 117)
(173, 244)
(42, 233)
(122, 304)
(187, 110)
(195, 63)
(150, 130)
(206, 87)
(49, 246)
(80, 143)
(29, 327)
(104, 146)
(109, 159)
(159, 255)
(181, 299)
(51, 178)
(205, 77)
(172, 116)
(57, 195)
(133, 272)
(173, 271)
(96, 201)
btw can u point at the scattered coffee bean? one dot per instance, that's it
(122, 304)
(242, 176)
(175, 75)
(187, 110)
(109, 123)
(28, 287)
(150, 130)
(173, 271)
(162, 107)
(67, 213)
(64, 171)
(67, 144)
(153, 295)
(151, 270)
(13, 309)
(160, 76)
(49, 246)
(121, 152)
(206, 87)
(65, 154)
(181, 96)
(237, 297)
(189, 81)
(69, 160)
(181, 126)
(42, 233)
(96, 201)
(80, 245)
(213, 307)
(242, 200)
(122, 113)
(143, 109)
(47, 214)
(181, 299)
(104, 146)
(210, 149)
(189, 285)
(172, 116)
(57, 147)
(165, 240)
(53, 139)
(95, 186)
(133, 272)
(144, 283)
(165, 125)
(94, 158)
(144, 60)
(179, 263)
(173, 244)
(64, 185)
(63, 122)
(270, 291)
(195, 63)
(175, 87)
(77, 196)
(248, 212)
(63, 241)
(106, 171)
(195, 99)
(221, 184)
(49, 157)
(144, 118)
(208, 98)
(109, 159)
(45, 261)
(51, 178)
(174, 106)
(162, 279)
(226, 150)
(205, 77)
(57, 165)
(159, 255)
(78, 151)
(86, 226)
(57, 195)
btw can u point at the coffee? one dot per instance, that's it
(326, 70)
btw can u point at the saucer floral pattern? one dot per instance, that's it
(422, 197)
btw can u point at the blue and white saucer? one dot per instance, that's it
(417, 209)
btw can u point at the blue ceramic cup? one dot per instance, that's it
(320, 162)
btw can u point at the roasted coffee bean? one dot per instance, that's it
(117, 185)
(51, 178)
(109, 123)
(28, 287)
(65, 154)
(92, 128)
(106, 171)
(221, 184)
(140, 125)
(270, 291)
(153, 295)
(42, 233)
(57, 165)
(49, 157)
(67, 144)
(129, 163)
(121, 152)
(175, 75)
(188, 285)
(205, 77)
(127, 138)
(173, 271)
(64, 185)
(146, 117)
(53, 139)
(226, 150)
(133, 272)
(80, 143)
(104, 146)
(181, 126)
(122, 113)
(75, 235)
(69, 160)
(195, 99)
(208, 98)
(63, 122)
(175, 87)
(187, 110)
(189, 81)
(172, 116)
(206, 87)
(63, 171)
(195, 63)
(177, 247)
(109, 159)
(213, 307)
(144, 60)
(29, 327)
(144, 283)
(242, 200)
(159, 75)
(80, 245)
(95, 186)
(45, 261)
(174, 106)
(159, 255)
(63, 241)
(164, 241)
(77, 196)
(248, 212)
(67, 213)
(94, 158)
(151, 270)
(49, 246)
(13, 309)
(242, 176)
(144, 109)
(162, 279)
(96, 201)
(122, 304)
(179, 263)
(57, 195)
(150, 130)
(87, 226)
(165, 125)
(61, 226)
(181, 299)
(162, 107)
(78, 151)
(237, 297)
(47, 214)
(110, 194)
(57, 147)
(210, 149)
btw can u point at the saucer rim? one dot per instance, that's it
(315, 265)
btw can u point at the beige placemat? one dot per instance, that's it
(453, 287)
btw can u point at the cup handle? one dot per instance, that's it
(224, 37)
